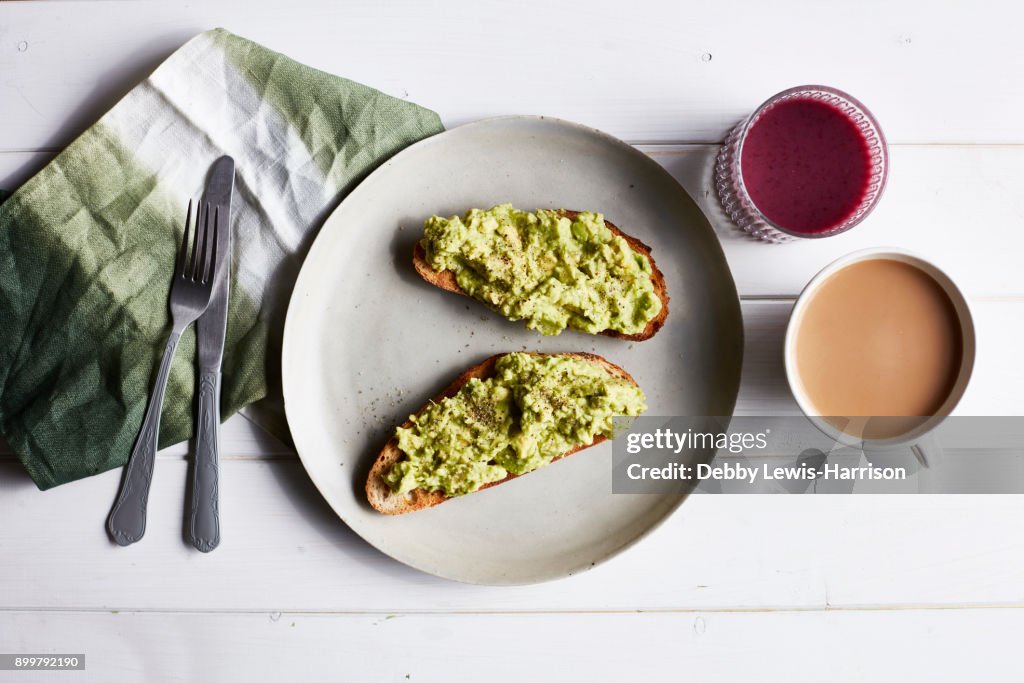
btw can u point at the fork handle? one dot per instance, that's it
(204, 525)
(127, 520)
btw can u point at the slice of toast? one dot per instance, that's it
(445, 279)
(386, 501)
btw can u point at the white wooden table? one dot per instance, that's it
(798, 588)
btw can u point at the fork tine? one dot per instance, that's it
(211, 260)
(183, 252)
(199, 243)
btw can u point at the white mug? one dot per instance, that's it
(920, 438)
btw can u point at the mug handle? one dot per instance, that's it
(927, 449)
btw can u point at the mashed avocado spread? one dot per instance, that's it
(532, 410)
(546, 269)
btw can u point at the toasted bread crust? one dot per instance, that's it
(445, 279)
(385, 501)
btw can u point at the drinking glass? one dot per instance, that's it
(729, 175)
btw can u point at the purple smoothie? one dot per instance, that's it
(806, 165)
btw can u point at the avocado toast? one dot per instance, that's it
(509, 415)
(553, 268)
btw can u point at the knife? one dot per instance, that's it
(204, 517)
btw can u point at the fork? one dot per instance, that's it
(190, 296)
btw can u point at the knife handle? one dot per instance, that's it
(204, 524)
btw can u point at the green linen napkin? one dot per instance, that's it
(87, 246)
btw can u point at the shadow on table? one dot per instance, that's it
(314, 510)
(13, 474)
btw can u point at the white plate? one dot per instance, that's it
(367, 343)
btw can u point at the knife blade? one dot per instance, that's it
(204, 520)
